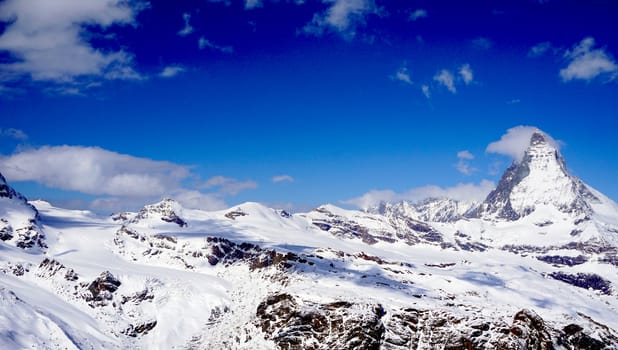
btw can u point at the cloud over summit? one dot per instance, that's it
(516, 140)
(462, 192)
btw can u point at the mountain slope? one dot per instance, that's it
(19, 221)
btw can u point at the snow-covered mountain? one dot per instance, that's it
(539, 179)
(19, 220)
(535, 266)
(428, 210)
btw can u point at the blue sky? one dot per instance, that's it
(110, 104)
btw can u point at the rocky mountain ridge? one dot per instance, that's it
(19, 220)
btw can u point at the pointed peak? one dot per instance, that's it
(538, 138)
(541, 178)
(542, 141)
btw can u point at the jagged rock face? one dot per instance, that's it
(294, 324)
(141, 329)
(540, 178)
(166, 210)
(397, 226)
(50, 267)
(430, 210)
(102, 289)
(441, 209)
(529, 330)
(19, 220)
(343, 227)
(235, 213)
(7, 191)
(585, 280)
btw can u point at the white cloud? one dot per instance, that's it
(343, 17)
(228, 185)
(481, 43)
(66, 90)
(93, 170)
(419, 13)
(193, 199)
(494, 168)
(251, 4)
(463, 166)
(190, 199)
(171, 71)
(187, 29)
(444, 77)
(14, 134)
(466, 73)
(203, 43)
(9, 92)
(425, 90)
(402, 75)
(225, 2)
(540, 49)
(120, 181)
(461, 192)
(587, 63)
(48, 39)
(373, 198)
(123, 182)
(282, 178)
(465, 154)
(108, 205)
(516, 140)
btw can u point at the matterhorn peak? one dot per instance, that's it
(543, 159)
(544, 149)
(538, 138)
(540, 178)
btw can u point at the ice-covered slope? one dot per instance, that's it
(249, 277)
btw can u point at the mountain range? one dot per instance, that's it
(533, 266)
